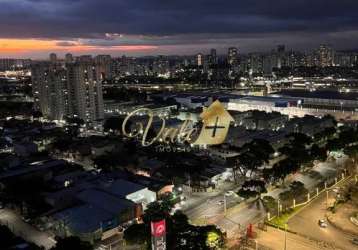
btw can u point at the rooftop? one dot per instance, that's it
(122, 188)
(84, 218)
(323, 94)
(105, 201)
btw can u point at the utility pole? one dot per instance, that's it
(278, 207)
(285, 236)
(224, 204)
(189, 185)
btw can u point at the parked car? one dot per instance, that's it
(26, 219)
(221, 202)
(322, 223)
(229, 193)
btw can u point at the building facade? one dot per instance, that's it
(73, 90)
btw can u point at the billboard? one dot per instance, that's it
(158, 231)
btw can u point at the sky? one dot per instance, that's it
(35, 28)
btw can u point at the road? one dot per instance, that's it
(239, 214)
(275, 239)
(306, 223)
(25, 230)
(206, 208)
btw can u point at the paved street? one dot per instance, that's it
(306, 223)
(22, 229)
(208, 208)
(275, 239)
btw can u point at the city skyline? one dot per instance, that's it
(35, 28)
(173, 125)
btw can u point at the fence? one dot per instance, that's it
(312, 195)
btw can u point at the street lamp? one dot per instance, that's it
(278, 207)
(224, 204)
(285, 236)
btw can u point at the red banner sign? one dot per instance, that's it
(158, 228)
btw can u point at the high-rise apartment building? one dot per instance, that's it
(85, 98)
(104, 66)
(232, 57)
(73, 90)
(49, 89)
(68, 58)
(53, 58)
(213, 59)
(325, 56)
(199, 59)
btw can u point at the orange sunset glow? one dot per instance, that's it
(17, 46)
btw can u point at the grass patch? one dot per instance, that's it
(280, 222)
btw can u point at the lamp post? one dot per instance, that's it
(278, 207)
(224, 204)
(285, 236)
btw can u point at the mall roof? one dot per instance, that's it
(323, 94)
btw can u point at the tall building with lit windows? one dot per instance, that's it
(199, 59)
(49, 86)
(213, 59)
(232, 57)
(326, 56)
(73, 90)
(85, 99)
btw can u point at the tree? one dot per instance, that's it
(180, 234)
(252, 188)
(114, 124)
(281, 169)
(9, 240)
(156, 211)
(136, 234)
(318, 153)
(297, 189)
(36, 114)
(351, 151)
(299, 139)
(347, 136)
(72, 242)
(334, 144)
(252, 156)
(330, 118)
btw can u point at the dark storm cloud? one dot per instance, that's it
(173, 21)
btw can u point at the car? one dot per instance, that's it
(355, 241)
(229, 193)
(26, 219)
(322, 223)
(336, 190)
(220, 202)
